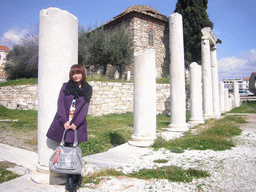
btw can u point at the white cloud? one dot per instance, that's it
(14, 36)
(241, 66)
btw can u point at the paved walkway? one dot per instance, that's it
(27, 162)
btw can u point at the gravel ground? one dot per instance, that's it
(231, 170)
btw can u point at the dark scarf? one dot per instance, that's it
(73, 89)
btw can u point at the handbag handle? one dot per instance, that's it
(75, 138)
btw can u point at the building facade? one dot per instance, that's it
(243, 84)
(3, 53)
(149, 29)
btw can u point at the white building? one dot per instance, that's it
(243, 84)
(3, 52)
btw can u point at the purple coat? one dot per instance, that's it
(56, 129)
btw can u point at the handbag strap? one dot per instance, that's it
(75, 138)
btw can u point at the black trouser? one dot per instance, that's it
(76, 177)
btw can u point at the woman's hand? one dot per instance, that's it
(67, 125)
(73, 126)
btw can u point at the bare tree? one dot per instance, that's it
(22, 61)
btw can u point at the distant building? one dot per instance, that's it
(243, 84)
(3, 53)
(149, 29)
(252, 84)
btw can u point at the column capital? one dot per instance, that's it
(214, 48)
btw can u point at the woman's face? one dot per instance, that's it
(77, 77)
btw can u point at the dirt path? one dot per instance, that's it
(20, 139)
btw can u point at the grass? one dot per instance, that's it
(172, 173)
(32, 81)
(97, 176)
(104, 132)
(26, 119)
(247, 107)
(6, 175)
(216, 137)
(107, 131)
(22, 81)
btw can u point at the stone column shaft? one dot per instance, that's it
(226, 99)
(222, 100)
(196, 111)
(177, 74)
(144, 122)
(236, 94)
(58, 51)
(215, 84)
(207, 79)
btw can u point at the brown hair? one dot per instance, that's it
(77, 69)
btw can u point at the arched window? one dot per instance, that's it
(151, 37)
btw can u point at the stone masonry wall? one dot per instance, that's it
(108, 97)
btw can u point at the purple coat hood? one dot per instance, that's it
(56, 129)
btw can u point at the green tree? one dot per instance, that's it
(195, 18)
(22, 60)
(121, 51)
(100, 47)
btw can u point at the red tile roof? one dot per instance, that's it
(144, 9)
(246, 79)
(4, 48)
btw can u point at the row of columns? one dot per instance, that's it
(216, 99)
(58, 34)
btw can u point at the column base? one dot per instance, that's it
(181, 127)
(42, 175)
(217, 115)
(196, 121)
(142, 141)
(208, 116)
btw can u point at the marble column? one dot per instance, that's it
(236, 94)
(58, 51)
(196, 111)
(144, 121)
(226, 100)
(222, 101)
(231, 101)
(207, 79)
(177, 74)
(215, 83)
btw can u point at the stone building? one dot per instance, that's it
(149, 29)
(3, 52)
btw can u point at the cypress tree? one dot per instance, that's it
(195, 18)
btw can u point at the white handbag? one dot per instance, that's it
(67, 159)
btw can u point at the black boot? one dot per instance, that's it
(70, 184)
(78, 181)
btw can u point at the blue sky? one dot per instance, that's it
(234, 23)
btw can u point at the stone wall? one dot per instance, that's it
(108, 97)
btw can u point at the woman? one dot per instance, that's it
(73, 104)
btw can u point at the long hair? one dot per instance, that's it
(77, 69)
